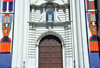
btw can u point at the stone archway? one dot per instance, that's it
(50, 52)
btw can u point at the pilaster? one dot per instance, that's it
(79, 34)
(17, 57)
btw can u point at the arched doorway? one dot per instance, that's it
(50, 52)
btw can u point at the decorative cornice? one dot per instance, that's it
(49, 3)
(49, 22)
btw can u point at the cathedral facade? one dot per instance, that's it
(44, 34)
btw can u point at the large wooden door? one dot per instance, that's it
(50, 53)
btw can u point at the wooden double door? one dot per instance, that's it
(50, 53)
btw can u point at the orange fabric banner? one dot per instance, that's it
(5, 47)
(94, 46)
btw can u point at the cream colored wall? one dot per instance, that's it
(60, 31)
(60, 15)
(25, 47)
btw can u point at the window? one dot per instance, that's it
(50, 15)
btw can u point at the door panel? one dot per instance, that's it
(50, 53)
